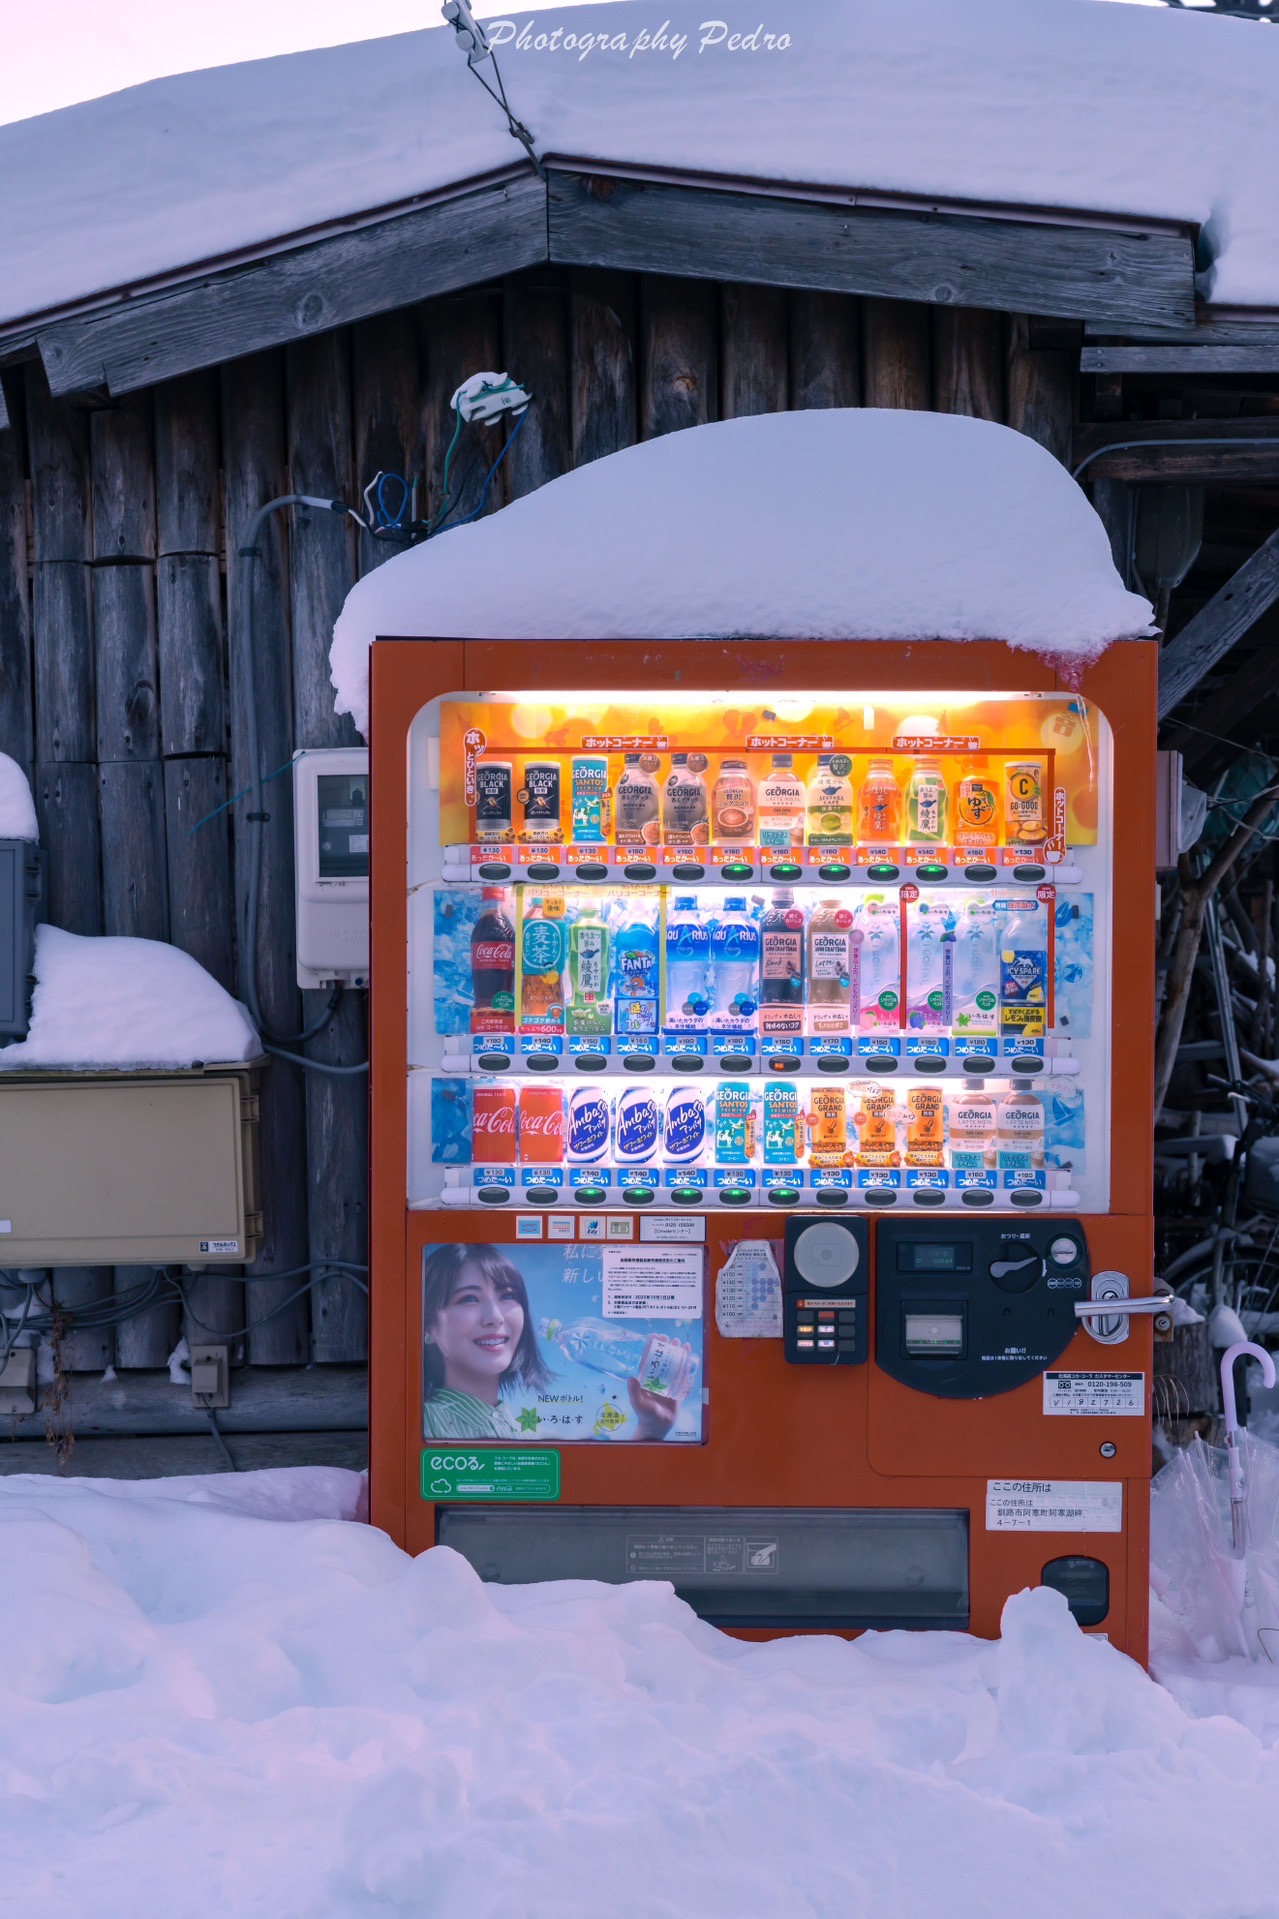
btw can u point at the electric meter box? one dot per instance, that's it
(331, 863)
(136, 1169)
(21, 905)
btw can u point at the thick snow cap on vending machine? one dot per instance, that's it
(851, 523)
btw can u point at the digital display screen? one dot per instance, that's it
(934, 1256)
(934, 1335)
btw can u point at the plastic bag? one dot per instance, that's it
(1227, 1605)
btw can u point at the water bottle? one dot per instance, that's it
(688, 960)
(880, 996)
(659, 1363)
(735, 968)
(635, 975)
(976, 970)
(926, 968)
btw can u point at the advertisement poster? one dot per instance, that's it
(562, 1343)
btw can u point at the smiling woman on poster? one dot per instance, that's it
(480, 1344)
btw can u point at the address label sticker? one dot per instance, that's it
(1110, 1395)
(1054, 1506)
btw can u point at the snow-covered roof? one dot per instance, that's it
(126, 1003)
(1140, 111)
(843, 524)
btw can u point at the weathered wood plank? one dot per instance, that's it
(603, 414)
(145, 1339)
(135, 891)
(201, 896)
(535, 333)
(1179, 450)
(163, 1456)
(1263, 357)
(122, 460)
(754, 372)
(191, 653)
(455, 243)
(62, 644)
(215, 1310)
(968, 362)
(1041, 391)
(943, 258)
(322, 545)
(126, 667)
(58, 453)
(187, 460)
(679, 355)
(825, 350)
(337, 1127)
(1229, 614)
(1214, 719)
(287, 1400)
(461, 337)
(66, 796)
(386, 385)
(6, 420)
(254, 454)
(17, 714)
(896, 343)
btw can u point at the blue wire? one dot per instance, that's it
(484, 491)
(392, 523)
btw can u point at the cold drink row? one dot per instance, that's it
(838, 974)
(977, 799)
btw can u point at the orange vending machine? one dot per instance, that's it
(762, 1121)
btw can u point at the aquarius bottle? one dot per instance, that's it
(734, 952)
(927, 804)
(688, 958)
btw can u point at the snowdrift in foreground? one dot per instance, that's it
(852, 523)
(126, 1002)
(234, 1717)
(17, 808)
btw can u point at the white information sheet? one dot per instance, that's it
(689, 1227)
(748, 1292)
(661, 1282)
(1054, 1506)
(1110, 1395)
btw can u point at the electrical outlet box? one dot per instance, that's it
(211, 1376)
(18, 1384)
(21, 906)
(331, 865)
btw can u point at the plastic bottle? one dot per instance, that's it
(542, 957)
(1019, 1126)
(781, 933)
(972, 1120)
(880, 991)
(927, 997)
(781, 805)
(685, 807)
(829, 802)
(493, 962)
(587, 961)
(879, 806)
(635, 972)
(830, 928)
(636, 804)
(975, 979)
(976, 807)
(733, 805)
(927, 804)
(688, 959)
(735, 968)
(1023, 958)
(660, 1364)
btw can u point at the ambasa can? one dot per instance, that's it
(493, 1125)
(684, 1125)
(590, 1114)
(637, 1126)
(541, 1126)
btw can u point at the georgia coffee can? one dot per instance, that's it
(541, 1126)
(493, 800)
(493, 1125)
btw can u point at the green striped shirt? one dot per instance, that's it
(449, 1414)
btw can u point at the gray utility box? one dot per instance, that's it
(21, 905)
(130, 1169)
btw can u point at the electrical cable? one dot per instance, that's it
(219, 1439)
(488, 479)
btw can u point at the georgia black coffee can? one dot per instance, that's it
(493, 800)
(539, 799)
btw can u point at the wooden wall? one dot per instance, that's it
(118, 534)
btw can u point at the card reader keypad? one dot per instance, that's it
(822, 1332)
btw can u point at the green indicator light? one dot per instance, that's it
(737, 870)
(836, 871)
(786, 870)
(686, 1195)
(783, 1196)
(734, 1195)
(589, 1195)
(930, 872)
(638, 1195)
(881, 872)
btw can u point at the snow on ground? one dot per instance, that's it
(17, 808)
(851, 523)
(126, 1002)
(1063, 103)
(205, 1711)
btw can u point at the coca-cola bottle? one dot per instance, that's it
(493, 965)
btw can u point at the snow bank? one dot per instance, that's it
(844, 524)
(17, 808)
(126, 1002)
(1061, 103)
(273, 1492)
(224, 1715)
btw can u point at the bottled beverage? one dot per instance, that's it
(493, 817)
(928, 962)
(830, 928)
(876, 1121)
(783, 1133)
(590, 1116)
(1023, 957)
(733, 805)
(830, 802)
(879, 806)
(976, 808)
(1019, 1127)
(975, 978)
(659, 1363)
(781, 935)
(735, 968)
(828, 1125)
(972, 1121)
(493, 1124)
(781, 805)
(685, 806)
(635, 975)
(592, 800)
(636, 803)
(541, 1125)
(539, 798)
(688, 960)
(1025, 820)
(588, 965)
(684, 1126)
(927, 804)
(925, 1126)
(637, 1127)
(542, 957)
(734, 1123)
(493, 964)
(879, 1002)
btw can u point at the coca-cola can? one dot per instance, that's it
(541, 1126)
(493, 1125)
(590, 1113)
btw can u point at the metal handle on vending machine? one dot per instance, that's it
(1107, 1313)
